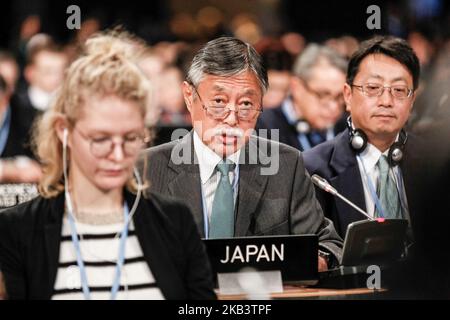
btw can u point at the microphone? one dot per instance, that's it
(324, 185)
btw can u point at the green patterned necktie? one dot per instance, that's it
(388, 194)
(222, 216)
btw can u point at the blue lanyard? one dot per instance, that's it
(373, 193)
(205, 207)
(304, 142)
(76, 243)
(4, 129)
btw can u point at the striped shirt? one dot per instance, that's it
(99, 250)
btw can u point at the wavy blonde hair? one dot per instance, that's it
(107, 66)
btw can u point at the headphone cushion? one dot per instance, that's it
(358, 140)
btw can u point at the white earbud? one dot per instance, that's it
(65, 135)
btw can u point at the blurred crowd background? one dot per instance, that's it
(36, 47)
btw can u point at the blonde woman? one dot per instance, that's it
(90, 235)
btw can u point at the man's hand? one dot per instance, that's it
(20, 170)
(323, 266)
(2, 288)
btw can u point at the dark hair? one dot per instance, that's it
(226, 56)
(274, 55)
(393, 47)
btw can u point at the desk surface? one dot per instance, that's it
(299, 292)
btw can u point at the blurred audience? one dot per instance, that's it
(278, 63)
(44, 72)
(16, 164)
(314, 111)
(173, 111)
(9, 70)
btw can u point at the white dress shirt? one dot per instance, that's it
(207, 162)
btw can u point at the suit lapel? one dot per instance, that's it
(347, 182)
(184, 180)
(251, 188)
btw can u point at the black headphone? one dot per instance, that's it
(358, 142)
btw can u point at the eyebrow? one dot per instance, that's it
(381, 78)
(250, 92)
(104, 132)
(218, 88)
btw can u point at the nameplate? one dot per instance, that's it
(295, 256)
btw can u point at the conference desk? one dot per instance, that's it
(301, 292)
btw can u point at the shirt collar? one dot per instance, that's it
(371, 155)
(287, 107)
(39, 98)
(4, 116)
(208, 159)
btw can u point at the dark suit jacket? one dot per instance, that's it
(275, 119)
(30, 237)
(277, 204)
(335, 161)
(18, 142)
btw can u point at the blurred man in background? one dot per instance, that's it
(311, 114)
(16, 164)
(44, 72)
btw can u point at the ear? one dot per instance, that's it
(60, 126)
(188, 94)
(413, 99)
(348, 97)
(296, 86)
(28, 73)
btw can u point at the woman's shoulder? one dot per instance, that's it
(167, 205)
(26, 212)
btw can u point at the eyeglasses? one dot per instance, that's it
(131, 144)
(324, 97)
(220, 111)
(376, 90)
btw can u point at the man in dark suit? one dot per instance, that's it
(236, 184)
(314, 111)
(16, 164)
(364, 162)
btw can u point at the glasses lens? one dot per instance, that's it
(372, 89)
(101, 148)
(400, 92)
(132, 146)
(218, 112)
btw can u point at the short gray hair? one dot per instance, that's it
(312, 55)
(226, 56)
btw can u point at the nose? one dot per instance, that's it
(386, 98)
(118, 153)
(232, 118)
(334, 105)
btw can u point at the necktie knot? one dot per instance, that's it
(383, 164)
(225, 167)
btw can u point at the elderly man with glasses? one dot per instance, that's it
(235, 183)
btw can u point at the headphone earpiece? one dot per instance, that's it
(302, 126)
(358, 140)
